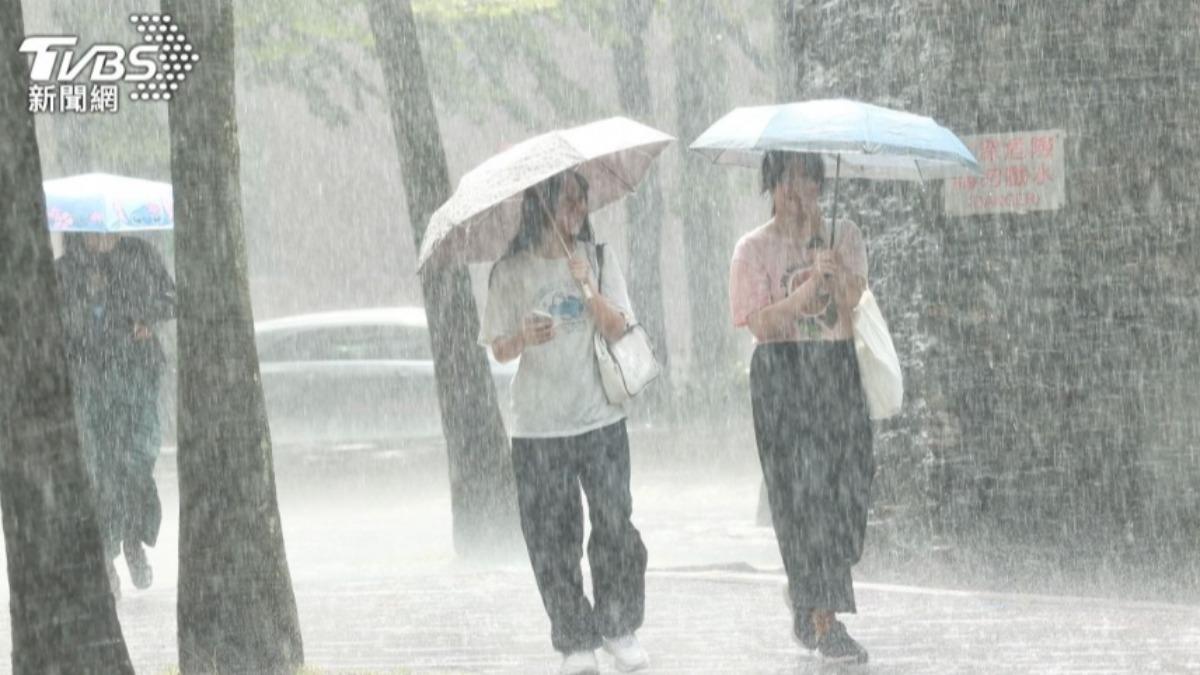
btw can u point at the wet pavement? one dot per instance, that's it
(454, 619)
(380, 591)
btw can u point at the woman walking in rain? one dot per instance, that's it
(544, 306)
(114, 291)
(796, 294)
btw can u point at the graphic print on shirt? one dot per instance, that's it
(565, 304)
(811, 328)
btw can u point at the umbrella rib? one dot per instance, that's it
(621, 179)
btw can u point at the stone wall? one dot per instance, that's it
(1052, 358)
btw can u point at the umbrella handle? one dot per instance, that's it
(837, 175)
(584, 288)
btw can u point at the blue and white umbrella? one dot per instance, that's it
(871, 142)
(99, 202)
(857, 140)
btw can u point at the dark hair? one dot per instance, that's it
(776, 161)
(535, 220)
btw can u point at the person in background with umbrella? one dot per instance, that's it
(543, 305)
(114, 291)
(796, 293)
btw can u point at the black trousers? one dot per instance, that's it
(118, 416)
(814, 443)
(549, 473)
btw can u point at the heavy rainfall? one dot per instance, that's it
(580, 336)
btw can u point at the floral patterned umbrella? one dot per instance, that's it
(98, 202)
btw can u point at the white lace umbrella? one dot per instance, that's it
(484, 213)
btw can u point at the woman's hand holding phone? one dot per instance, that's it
(537, 328)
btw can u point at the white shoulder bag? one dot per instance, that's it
(626, 364)
(878, 365)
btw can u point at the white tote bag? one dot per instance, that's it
(878, 365)
(627, 364)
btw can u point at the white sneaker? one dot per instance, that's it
(579, 663)
(628, 653)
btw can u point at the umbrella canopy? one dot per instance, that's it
(99, 202)
(484, 213)
(872, 142)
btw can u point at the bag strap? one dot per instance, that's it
(600, 268)
(629, 325)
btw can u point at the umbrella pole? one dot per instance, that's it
(837, 175)
(584, 288)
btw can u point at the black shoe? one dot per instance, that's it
(803, 628)
(139, 566)
(837, 645)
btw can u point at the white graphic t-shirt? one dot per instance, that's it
(557, 390)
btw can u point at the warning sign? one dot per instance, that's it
(1021, 172)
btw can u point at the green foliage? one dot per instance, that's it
(455, 10)
(465, 75)
(324, 51)
(605, 21)
(475, 64)
(132, 142)
(315, 670)
(731, 18)
(481, 55)
(309, 46)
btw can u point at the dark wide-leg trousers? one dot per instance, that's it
(814, 443)
(549, 475)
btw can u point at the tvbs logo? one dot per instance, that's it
(155, 69)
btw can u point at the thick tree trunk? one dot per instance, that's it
(644, 208)
(703, 193)
(63, 616)
(483, 498)
(236, 612)
(791, 18)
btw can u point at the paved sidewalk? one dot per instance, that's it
(379, 591)
(459, 620)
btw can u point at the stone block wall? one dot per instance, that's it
(1053, 358)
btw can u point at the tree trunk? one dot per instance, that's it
(791, 16)
(703, 191)
(236, 611)
(644, 208)
(483, 498)
(63, 616)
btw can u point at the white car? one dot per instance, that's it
(355, 376)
